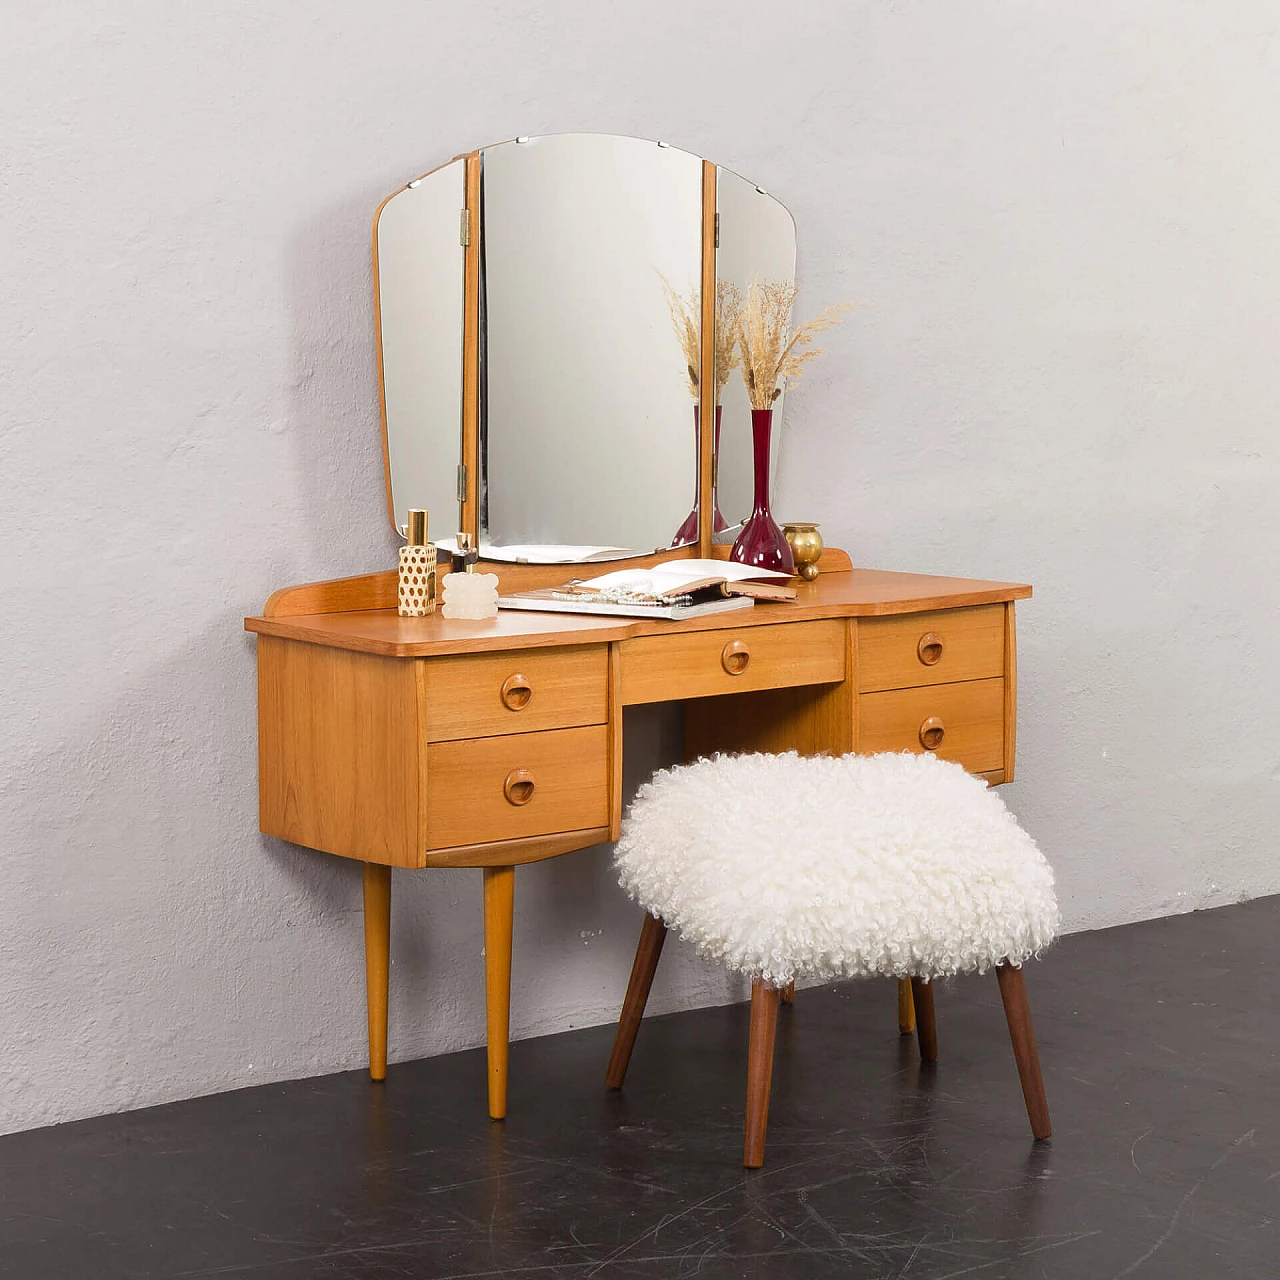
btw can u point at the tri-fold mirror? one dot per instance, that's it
(551, 378)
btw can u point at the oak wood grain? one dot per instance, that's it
(499, 893)
(377, 961)
(559, 688)
(568, 770)
(856, 593)
(1010, 692)
(972, 713)
(706, 375)
(469, 515)
(967, 644)
(659, 668)
(338, 768)
(514, 853)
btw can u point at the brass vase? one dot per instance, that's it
(806, 548)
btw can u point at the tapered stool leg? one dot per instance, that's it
(764, 1025)
(926, 1026)
(906, 1008)
(653, 933)
(787, 994)
(499, 897)
(377, 961)
(1017, 1012)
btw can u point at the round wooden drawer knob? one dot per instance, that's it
(735, 657)
(929, 650)
(518, 787)
(517, 692)
(932, 732)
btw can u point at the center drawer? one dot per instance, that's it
(478, 695)
(516, 785)
(702, 664)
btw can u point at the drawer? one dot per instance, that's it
(520, 784)
(478, 695)
(701, 664)
(941, 647)
(966, 720)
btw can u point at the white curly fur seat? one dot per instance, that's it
(786, 866)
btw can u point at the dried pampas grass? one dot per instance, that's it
(770, 350)
(686, 319)
(728, 316)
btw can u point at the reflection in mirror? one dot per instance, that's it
(587, 430)
(757, 242)
(419, 283)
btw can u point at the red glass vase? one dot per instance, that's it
(688, 532)
(761, 543)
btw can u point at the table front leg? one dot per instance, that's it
(499, 896)
(377, 960)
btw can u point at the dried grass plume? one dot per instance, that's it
(686, 317)
(771, 350)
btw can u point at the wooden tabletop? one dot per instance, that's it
(858, 593)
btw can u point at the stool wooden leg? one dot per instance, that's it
(906, 1008)
(926, 1026)
(1017, 1013)
(653, 933)
(764, 1025)
(377, 961)
(499, 896)
(788, 993)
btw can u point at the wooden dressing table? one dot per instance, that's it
(406, 742)
(518, 393)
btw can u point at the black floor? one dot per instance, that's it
(1159, 1043)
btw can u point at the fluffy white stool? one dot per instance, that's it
(784, 867)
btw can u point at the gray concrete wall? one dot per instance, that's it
(1063, 221)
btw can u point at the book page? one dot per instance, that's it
(673, 576)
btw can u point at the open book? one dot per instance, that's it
(672, 589)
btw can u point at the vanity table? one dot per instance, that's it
(429, 742)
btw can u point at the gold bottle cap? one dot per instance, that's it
(416, 529)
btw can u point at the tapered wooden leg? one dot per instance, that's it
(906, 1008)
(377, 961)
(788, 993)
(1017, 1013)
(926, 1027)
(499, 896)
(764, 1025)
(653, 933)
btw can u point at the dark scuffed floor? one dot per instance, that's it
(1159, 1043)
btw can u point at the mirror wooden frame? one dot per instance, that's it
(515, 577)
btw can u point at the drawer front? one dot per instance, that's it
(701, 664)
(522, 784)
(478, 695)
(941, 647)
(966, 721)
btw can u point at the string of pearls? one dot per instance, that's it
(620, 595)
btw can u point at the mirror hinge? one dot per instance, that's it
(717, 230)
(462, 482)
(464, 228)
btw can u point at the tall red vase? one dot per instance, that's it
(761, 543)
(688, 532)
